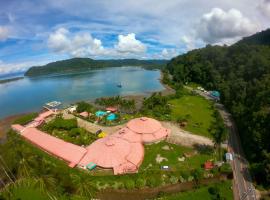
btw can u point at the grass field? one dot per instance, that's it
(27, 193)
(196, 110)
(202, 193)
(171, 157)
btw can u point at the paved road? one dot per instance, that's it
(242, 186)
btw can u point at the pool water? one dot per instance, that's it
(100, 113)
(111, 117)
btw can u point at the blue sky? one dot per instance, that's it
(35, 32)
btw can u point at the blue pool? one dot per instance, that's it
(111, 117)
(100, 113)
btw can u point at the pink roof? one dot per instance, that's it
(129, 135)
(143, 130)
(17, 127)
(116, 153)
(64, 150)
(112, 109)
(144, 125)
(44, 115)
(84, 114)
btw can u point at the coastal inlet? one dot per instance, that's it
(29, 94)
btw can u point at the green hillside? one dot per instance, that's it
(85, 64)
(241, 73)
(261, 38)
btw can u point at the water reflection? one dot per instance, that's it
(29, 94)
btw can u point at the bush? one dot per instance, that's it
(60, 123)
(140, 183)
(151, 182)
(213, 190)
(83, 106)
(129, 184)
(173, 180)
(26, 119)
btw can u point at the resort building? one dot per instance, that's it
(123, 151)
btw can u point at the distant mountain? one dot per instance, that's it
(261, 38)
(86, 64)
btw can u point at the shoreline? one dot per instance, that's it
(6, 122)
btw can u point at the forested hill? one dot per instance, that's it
(84, 64)
(241, 73)
(261, 38)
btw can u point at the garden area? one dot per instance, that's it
(109, 111)
(68, 130)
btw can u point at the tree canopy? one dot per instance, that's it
(241, 73)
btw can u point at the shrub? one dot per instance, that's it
(151, 182)
(140, 183)
(83, 106)
(129, 184)
(173, 180)
(25, 119)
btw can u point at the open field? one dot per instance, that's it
(173, 156)
(203, 192)
(196, 110)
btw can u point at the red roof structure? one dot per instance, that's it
(84, 114)
(144, 129)
(111, 109)
(44, 115)
(116, 153)
(208, 165)
(122, 151)
(64, 150)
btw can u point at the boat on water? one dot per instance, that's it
(119, 85)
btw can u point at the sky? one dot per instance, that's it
(36, 32)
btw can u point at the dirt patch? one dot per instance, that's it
(185, 138)
(5, 125)
(160, 159)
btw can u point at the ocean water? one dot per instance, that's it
(30, 94)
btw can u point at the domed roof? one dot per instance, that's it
(107, 152)
(144, 125)
(128, 135)
(113, 152)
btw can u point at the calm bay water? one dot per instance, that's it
(28, 95)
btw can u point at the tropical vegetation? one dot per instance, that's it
(241, 73)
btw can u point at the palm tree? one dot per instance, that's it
(84, 186)
(218, 132)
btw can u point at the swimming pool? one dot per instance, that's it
(100, 113)
(111, 117)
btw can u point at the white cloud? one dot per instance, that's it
(8, 68)
(78, 45)
(3, 33)
(264, 7)
(189, 42)
(21, 66)
(168, 53)
(129, 44)
(219, 26)
(82, 44)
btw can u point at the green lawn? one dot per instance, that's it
(171, 157)
(196, 110)
(26, 193)
(203, 193)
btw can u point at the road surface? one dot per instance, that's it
(242, 185)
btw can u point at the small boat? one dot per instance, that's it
(119, 85)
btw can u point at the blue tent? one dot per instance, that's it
(215, 94)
